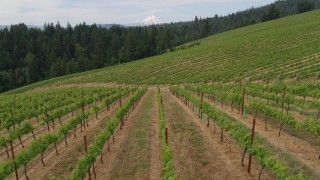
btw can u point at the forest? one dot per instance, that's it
(29, 55)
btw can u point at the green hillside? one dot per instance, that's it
(283, 48)
(89, 125)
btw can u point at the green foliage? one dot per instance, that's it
(13, 134)
(274, 92)
(305, 6)
(96, 148)
(312, 125)
(271, 50)
(167, 156)
(41, 144)
(272, 13)
(274, 113)
(241, 134)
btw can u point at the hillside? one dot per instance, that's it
(279, 49)
(30, 55)
(100, 124)
(271, 49)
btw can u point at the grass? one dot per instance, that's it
(187, 128)
(204, 162)
(253, 52)
(188, 137)
(79, 149)
(135, 154)
(295, 165)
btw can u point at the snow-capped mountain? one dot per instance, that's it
(151, 20)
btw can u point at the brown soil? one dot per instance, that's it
(155, 160)
(136, 152)
(60, 166)
(198, 151)
(299, 149)
(40, 131)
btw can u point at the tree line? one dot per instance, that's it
(28, 55)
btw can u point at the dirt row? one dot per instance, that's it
(59, 166)
(198, 152)
(298, 149)
(136, 152)
(40, 131)
(197, 149)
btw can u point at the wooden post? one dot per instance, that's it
(87, 120)
(85, 143)
(167, 136)
(15, 166)
(244, 92)
(25, 171)
(86, 148)
(252, 139)
(55, 146)
(7, 152)
(101, 159)
(94, 171)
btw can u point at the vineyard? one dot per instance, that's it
(243, 104)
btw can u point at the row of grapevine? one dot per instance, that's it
(50, 117)
(312, 125)
(270, 93)
(167, 156)
(240, 133)
(96, 148)
(18, 132)
(40, 145)
(276, 114)
(233, 94)
(16, 113)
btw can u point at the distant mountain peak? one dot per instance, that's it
(151, 20)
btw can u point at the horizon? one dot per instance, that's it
(37, 13)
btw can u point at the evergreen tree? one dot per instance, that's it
(28, 55)
(305, 6)
(271, 14)
(32, 68)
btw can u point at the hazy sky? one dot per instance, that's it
(37, 12)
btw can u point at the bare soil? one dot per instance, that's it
(40, 131)
(299, 149)
(60, 166)
(136, 152)
(155, 160)
(198, 151)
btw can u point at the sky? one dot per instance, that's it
(37, 12)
